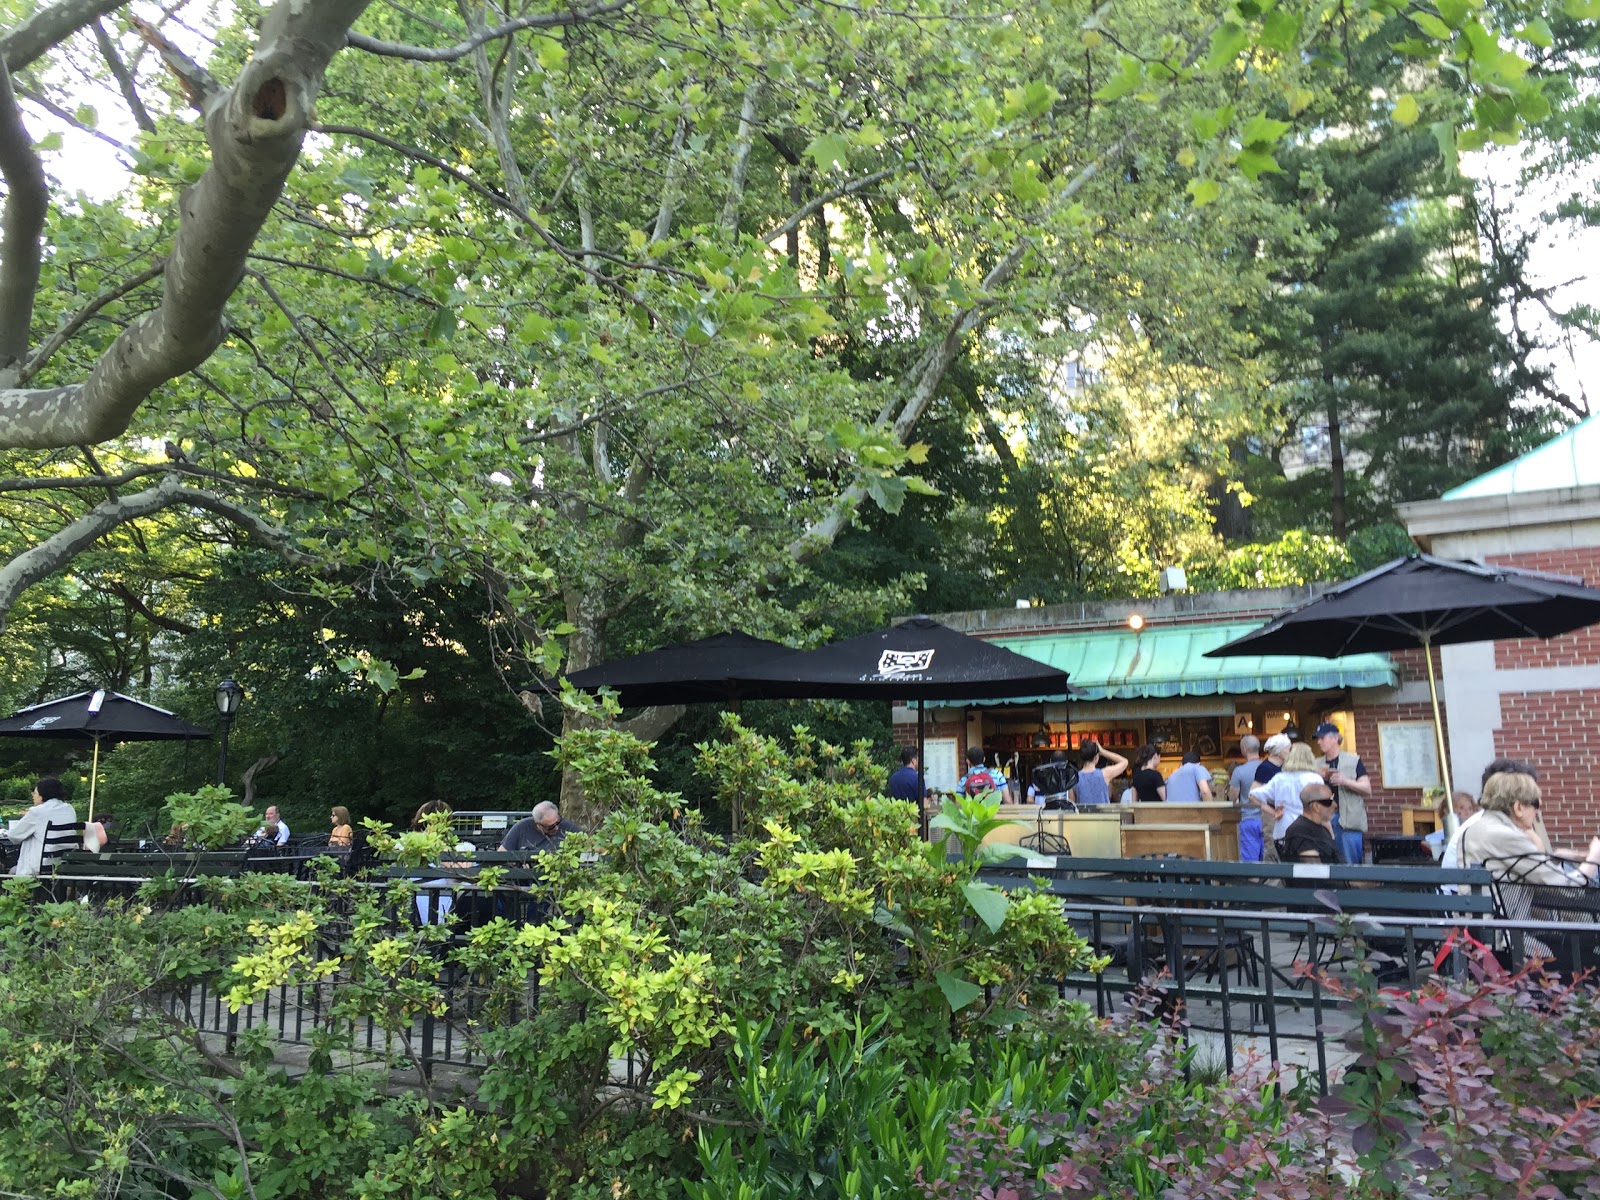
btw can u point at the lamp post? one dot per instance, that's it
(229, 696)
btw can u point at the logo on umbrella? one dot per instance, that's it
(44, 722)
(894, 664)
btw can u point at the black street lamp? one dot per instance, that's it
(229, 696)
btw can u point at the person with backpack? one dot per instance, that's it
(981, 778)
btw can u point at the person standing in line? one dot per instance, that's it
(1100, 768)
(1279, 797)
(1239, 785)
(1273, 752)
(906, 783)
(1190, 783)
(981, 779)
(1148, 785)
(1052, 782)
(1347, 775)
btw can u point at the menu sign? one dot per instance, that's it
(1408, 754)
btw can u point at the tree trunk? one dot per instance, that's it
(1336, 504)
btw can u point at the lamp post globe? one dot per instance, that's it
(229, 695)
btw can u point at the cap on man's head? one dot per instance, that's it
(1276, 744)
(1328, 727)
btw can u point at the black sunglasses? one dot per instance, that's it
(1331, 801)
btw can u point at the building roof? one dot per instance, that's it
(1168, 660)
(1569, 460)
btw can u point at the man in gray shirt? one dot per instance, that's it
(1239, 785)
(540, 832)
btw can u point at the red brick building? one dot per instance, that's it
(1529, 698)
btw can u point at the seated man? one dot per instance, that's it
(1310, 837)
(541, 831)
(278, 838)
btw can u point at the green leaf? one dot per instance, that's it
(1262, 131)
(552, 54)
(1281, 30)
(1405, 111)
(1256, 163)
(1226, 44)
(828, 150)
(1031, 100)
(1537, 33)
(958, 993)
(1454, 12)
(1581, 10)
(1204, 191)
(1129, 76)
(1026, 185)
(1445, 134)
(443, 326)
(1432, 26)
(989, 902)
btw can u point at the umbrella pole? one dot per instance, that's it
(94, 773)
(1438, 733)
(922, 770)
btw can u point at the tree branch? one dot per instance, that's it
(196, 81)
(49, 27)
(43, 560)
(479, 37)
(743, 140)
(255, 131)
(125, 83)
(839, 193)
(27, 203)
(62, 336)
(128, 596)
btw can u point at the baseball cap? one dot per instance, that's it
(1328, 727)
(1275, 743)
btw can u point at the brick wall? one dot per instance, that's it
(1581, 647)
(1557, 731)
(1383, 809)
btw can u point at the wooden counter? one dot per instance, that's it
(1203, 831)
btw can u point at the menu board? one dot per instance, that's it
(1200, 735)
(1166, 735)
(940, 768)
(1408, 754)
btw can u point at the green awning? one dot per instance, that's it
(1167, 660)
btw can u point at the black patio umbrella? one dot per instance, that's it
(1421, 602)
(99, 716)
(705, 671)
(919, 660)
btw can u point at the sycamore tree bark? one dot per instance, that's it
(255, 130)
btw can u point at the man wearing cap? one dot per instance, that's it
(1347, 775)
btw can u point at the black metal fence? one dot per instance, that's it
(1259, 984)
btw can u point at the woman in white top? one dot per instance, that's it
(1279, 797)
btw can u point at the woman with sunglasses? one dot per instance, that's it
(1505, 838)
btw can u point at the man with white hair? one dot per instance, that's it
(538, 833)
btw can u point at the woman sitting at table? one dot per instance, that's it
(343, 833)
(1279, 797)
(1504, 838)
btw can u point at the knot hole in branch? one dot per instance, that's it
(271, 100)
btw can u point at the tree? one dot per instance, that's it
(565, 306)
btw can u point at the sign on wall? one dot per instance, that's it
(941, 768)
(1408, 754)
